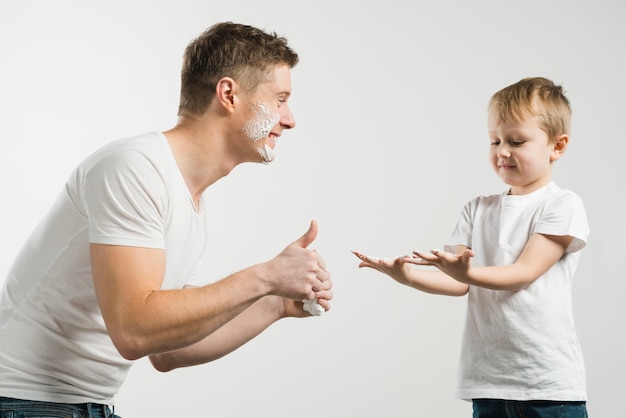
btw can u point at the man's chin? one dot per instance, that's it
(267, 153)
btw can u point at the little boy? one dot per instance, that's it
(515, 255)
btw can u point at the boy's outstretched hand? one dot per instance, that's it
(456, 266)
(396, 268)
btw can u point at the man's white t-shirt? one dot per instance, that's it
(53, 342)
(522, 345)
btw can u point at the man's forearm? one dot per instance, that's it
(232, 335)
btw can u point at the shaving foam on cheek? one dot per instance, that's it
(261, 124)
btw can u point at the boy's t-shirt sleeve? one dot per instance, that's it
(462, 232)
(565, 215)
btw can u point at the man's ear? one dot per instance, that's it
(226, 93)
(558, 147)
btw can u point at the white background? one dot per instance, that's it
(390, 99)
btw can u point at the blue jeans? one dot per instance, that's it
(499, 408)
(18, 408)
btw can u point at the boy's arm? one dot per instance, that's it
(540, 253)
(429, 281)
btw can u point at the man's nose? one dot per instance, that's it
(288, 121)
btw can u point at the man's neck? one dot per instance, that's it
(201, 155)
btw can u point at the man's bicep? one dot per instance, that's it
(123, 277)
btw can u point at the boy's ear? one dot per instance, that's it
(558, 147)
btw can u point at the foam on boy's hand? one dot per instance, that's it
(312, 307)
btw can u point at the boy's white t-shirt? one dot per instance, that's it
(522, 345)
(53, 342)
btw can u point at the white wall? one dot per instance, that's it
(391, 142)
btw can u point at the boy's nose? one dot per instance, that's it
(503, 151)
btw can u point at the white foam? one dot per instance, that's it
(312, 307)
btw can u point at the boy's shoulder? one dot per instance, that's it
(558, 194)
(549, 192)
(486, 199)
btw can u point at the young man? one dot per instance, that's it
(111, 274)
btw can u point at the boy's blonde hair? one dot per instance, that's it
(535, 97)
